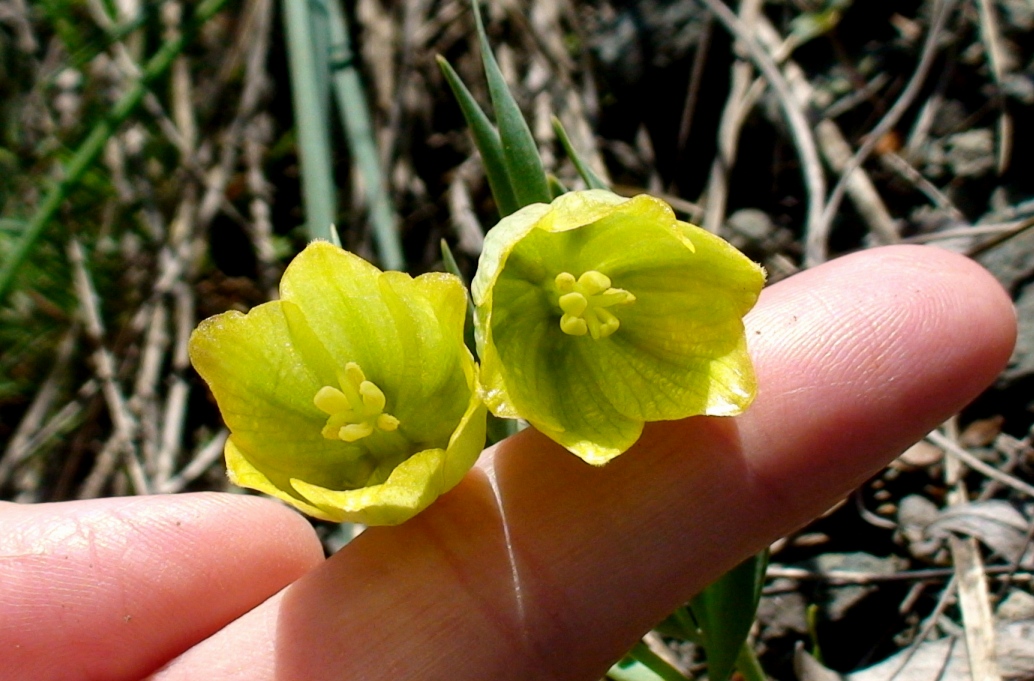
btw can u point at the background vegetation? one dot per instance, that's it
(152, 174)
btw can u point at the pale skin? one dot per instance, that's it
(537, 566)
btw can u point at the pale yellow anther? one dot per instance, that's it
(373, 398)
(573, 326)
(387, 422)
(330, 400)
(584, 301)
(593, 283)
(573, 303)
(355, 431)
(355, 410)
(565, 282)
(354, 373)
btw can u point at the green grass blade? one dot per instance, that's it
(486, 139)
(632, 670)
(308, 66)
(591, 179)
(556, 187)
(523, 164)
(354, 109)
(642, 664)
(92, 146)
(725, 613)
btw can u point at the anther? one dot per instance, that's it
(355, 410)
(584, 302)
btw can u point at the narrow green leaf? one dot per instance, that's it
(725, 612)
(354, 111)
(811, 615)
(681, 624)
(642, 664)
(748, 665)
(556, 187)
(591, 179)
(91, 147)
(523, 163)
(12, 226)
(486, 139)
(453, 268)
(309, 67)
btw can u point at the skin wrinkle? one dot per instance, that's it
(509, 622)
(117, 571)
(429, 541)
(560, 593)
(543, 588)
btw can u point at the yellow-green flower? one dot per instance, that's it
(352, 397)
(596, 313)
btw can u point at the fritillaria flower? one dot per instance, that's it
(596, 313)
(352, 397)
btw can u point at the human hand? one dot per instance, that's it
(536, 565)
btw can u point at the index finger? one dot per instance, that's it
(538, 566)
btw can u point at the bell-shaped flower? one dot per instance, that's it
(353, 397)
(597, 313)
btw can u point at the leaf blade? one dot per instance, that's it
(486, 139)
(520, 152)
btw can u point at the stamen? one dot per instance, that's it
(355, 410)
(584, 302)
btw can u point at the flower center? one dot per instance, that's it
(585, 302)
(356, 410)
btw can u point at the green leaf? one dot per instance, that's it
(556, 187)
(591, 179)
(486, 139)
(523, 164)
(725, 613)
(305, 28)
(642, 664)
(355, 114)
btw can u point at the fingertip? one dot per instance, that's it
(888, 342)
(274, 525)
(146, 577)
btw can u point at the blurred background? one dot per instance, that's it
(162, 161)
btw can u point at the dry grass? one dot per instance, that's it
(797, 132)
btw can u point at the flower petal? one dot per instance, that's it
(265, 389)
(412, 485)
(244, 474)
